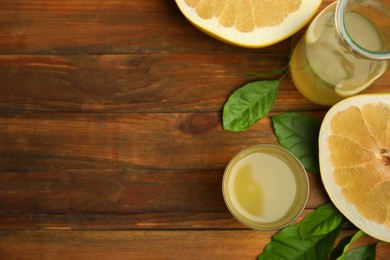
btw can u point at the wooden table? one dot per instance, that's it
(111, 144)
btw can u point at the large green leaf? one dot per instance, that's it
(355, 237)
(342, 252)
(298, 133)
(367, 252)
(288, 244)
(338, 250)
(321, 221)
(249, 104)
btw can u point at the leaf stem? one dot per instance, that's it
(283, 71)
(268, 74)
(292, 40)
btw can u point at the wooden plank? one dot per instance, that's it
(146, 82)
(34, 140)
(120, 199)
(208, 220)
(120, 26)
(212, 244)
(133, 244)
(131, 221)
(91, 27)
(127, 221)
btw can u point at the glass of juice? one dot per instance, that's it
(265, 187)
(345, 49)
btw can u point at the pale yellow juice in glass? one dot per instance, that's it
(269, 180)
(323, 70)
(265, 187)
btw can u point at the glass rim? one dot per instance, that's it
(343, 33)
(299, 173)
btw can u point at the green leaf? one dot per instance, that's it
(298, 133)
(367, 252)
(321, 221)
(341, 251)
(338, 250)
(358, 235)
(249, 104)
(288, 244)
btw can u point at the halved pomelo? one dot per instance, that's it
(354, 153)
(249, 23)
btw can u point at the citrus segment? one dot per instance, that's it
(360, 175)
(376, 117)
(249, 23)
(354, 149)
(377, 211)
(346, 153)
(344, 122)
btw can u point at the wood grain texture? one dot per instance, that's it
(134, 244)
(143, 82)
(111, 142)
(121, 199)
(120, 192)
(146, 82)
(180, 220)
(33, 140)
(87, 26)
(95, 27)
(222, 244)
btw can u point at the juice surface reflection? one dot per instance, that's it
(263, 187)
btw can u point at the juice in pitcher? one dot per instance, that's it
(324, 70)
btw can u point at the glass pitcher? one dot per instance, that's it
(344, 50)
